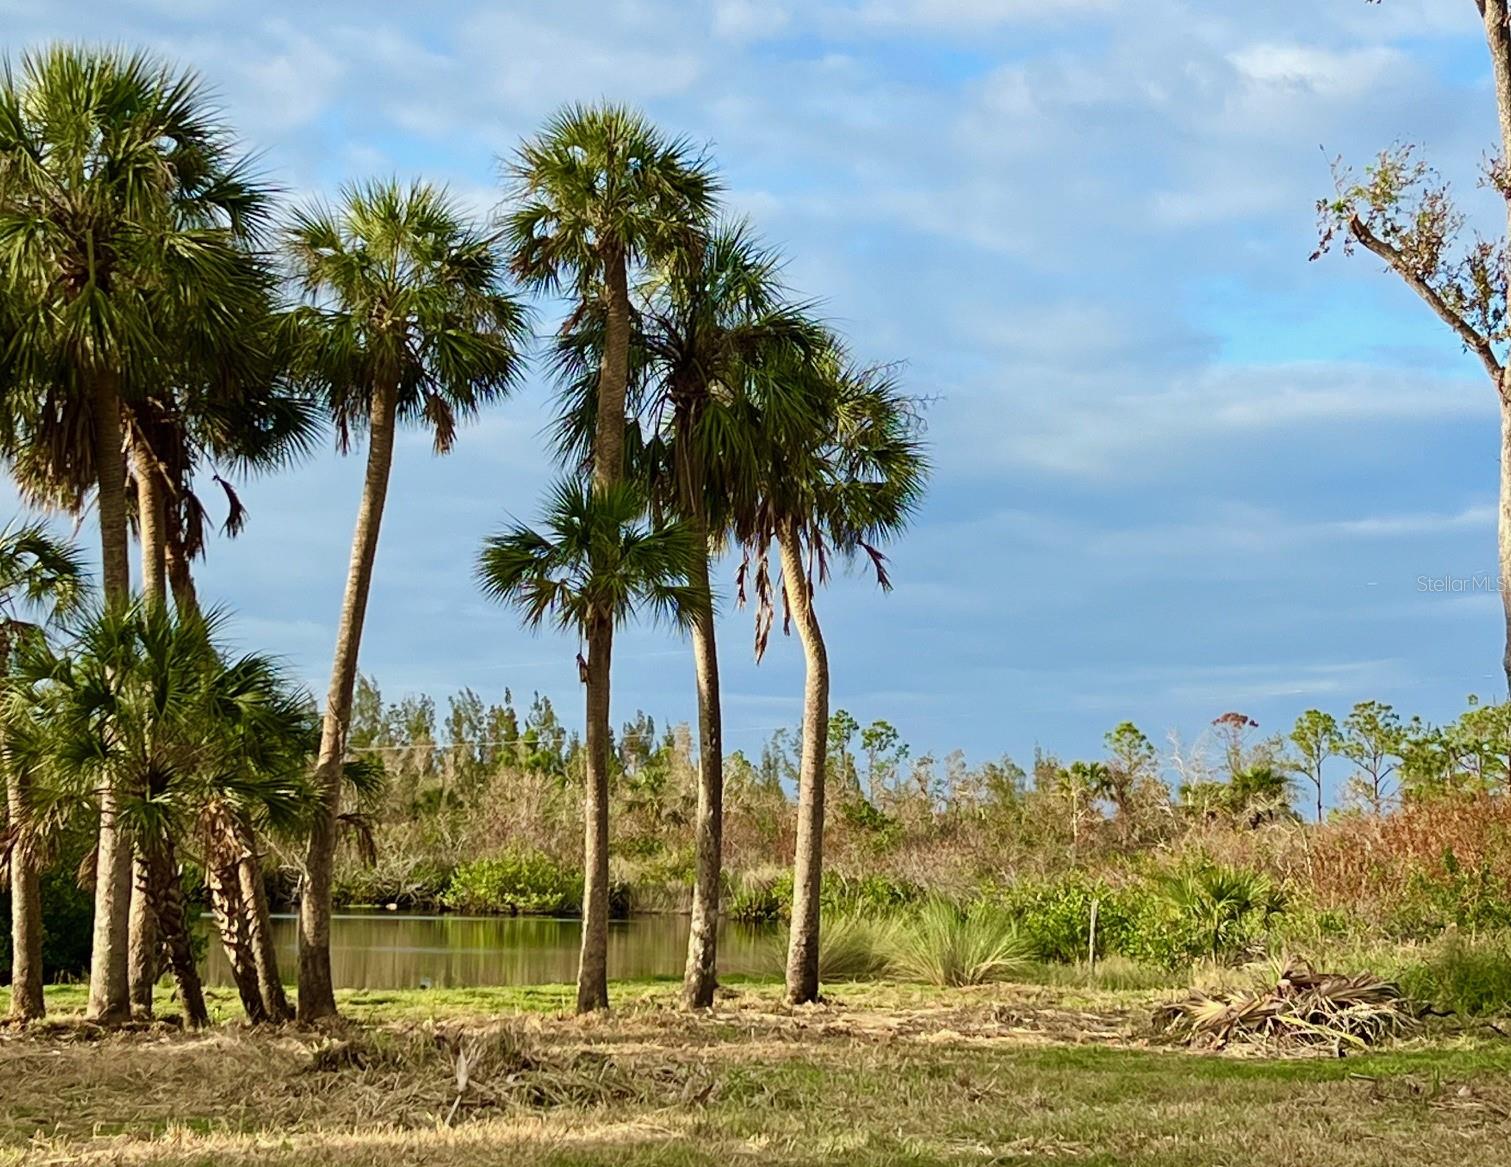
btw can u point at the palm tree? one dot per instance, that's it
(596, 559)
(44, 579)
(598, 192)
(709, 319)
(123, 208)
(842, 469)
(149, 701)
(406, 319)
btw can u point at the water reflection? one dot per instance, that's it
(390, 950)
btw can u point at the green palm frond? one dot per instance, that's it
(399, 286)
(595, 552)
(601, 180)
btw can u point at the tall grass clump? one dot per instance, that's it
(853, 946)
(943, 944)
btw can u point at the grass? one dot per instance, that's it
(882, 1074)
(942, 944)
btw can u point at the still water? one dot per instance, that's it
(393, 950)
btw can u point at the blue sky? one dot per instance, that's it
(1180, 470)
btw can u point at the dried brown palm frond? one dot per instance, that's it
(1304, 1008)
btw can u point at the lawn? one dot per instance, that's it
(881, 1074)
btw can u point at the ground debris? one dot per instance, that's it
(1305, 1008)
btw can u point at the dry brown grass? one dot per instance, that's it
(1000, 1074)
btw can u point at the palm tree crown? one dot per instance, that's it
(40, 577)
(595, 554)
(601, 182)
(403, 292)
(842, 467)
(126, 214)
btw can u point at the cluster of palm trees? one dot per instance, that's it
(162, 321)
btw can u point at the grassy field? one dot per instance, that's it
(881, 1074)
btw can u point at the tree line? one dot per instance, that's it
(167, 324)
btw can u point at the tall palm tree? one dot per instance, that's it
(42, 581)
(598, 193)
(843, 468)
(150, 701)
(708, 319)
(123, 203)
(406, 319)
(595, 559)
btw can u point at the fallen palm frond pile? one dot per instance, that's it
(1305, 1008)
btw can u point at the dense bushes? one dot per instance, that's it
(67, 925)
(515, 883)
(1197, 910)
(1471, 977)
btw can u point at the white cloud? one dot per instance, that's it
(749, 20)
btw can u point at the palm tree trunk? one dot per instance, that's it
(608, 469)
(230, 918)
(1504, 525)
(180, 577)
(701, 976)
(26, 1001)
(613, 375)
(143, 946)
(151, 518)
(151, 512)
(109, 986)
(254, 898)
(593, 965)
(168, 898)
(808, 872)
(317, 996)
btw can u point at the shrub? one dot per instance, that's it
(519, 883)
(1451, 894)
(1055, 916)
(945, 945)
(67, 925)
(1203, 910)
(1468, 977)
(759, 897)
(872, 894)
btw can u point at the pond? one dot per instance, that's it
(395, 950)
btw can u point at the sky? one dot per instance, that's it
(1179, 470)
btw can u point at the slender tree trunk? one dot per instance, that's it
(151, 512)
(180, 576)
(26, 1001)
(230, 917)
(808, 872)
(152, 519)
(317, 996)
(701, 976)
(1498, 40)
(143, 945)
(168, 898)
(593, 966)
(254, 898)
(109, 987)
(613, 376)
(1503, 531)
(608, 470)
